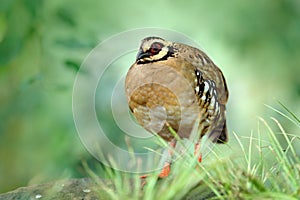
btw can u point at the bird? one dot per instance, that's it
(177, 86)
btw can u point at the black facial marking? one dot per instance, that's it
(154, 49)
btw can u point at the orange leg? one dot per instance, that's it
(163, 174)
(167, 166)
(197, 152)
(165, 170)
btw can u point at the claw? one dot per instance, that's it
(144, 176)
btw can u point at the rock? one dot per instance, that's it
(84, 189)
(75, 189)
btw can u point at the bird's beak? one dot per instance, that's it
(141, 54)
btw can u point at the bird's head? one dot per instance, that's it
(154, 49)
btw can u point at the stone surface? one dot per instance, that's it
(75, 189)
(82, 189)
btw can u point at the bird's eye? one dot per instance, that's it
(155, 48)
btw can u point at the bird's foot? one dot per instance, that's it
(165, 171)
(163, 174)
(143, 180)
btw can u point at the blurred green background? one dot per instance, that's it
(42, 44)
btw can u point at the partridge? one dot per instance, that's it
(175, 85)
